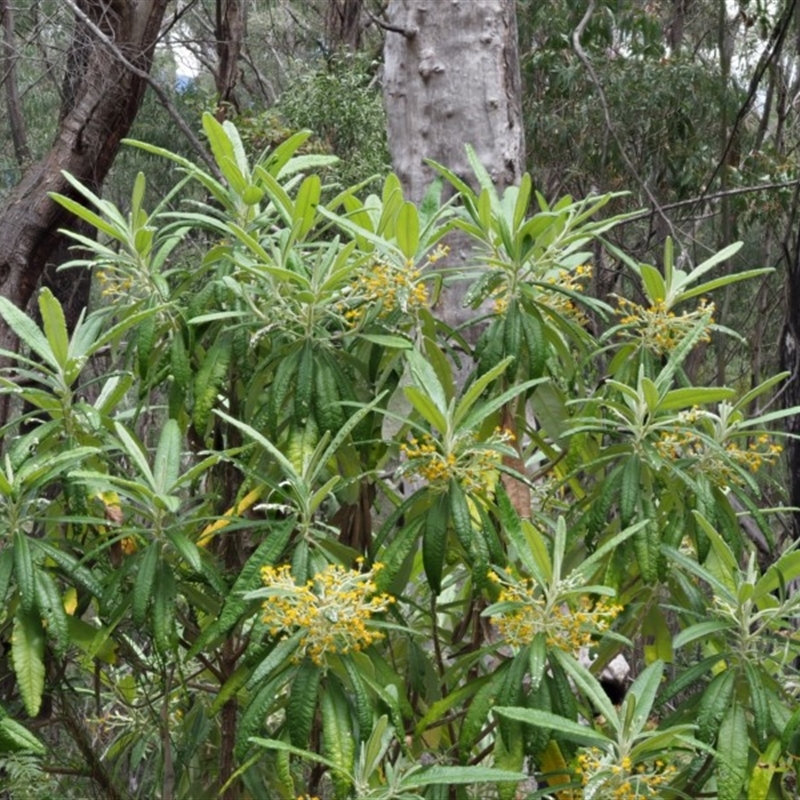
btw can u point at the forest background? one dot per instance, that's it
(224, 429)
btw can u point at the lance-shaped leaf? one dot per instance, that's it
(27, 657)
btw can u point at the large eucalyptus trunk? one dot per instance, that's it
(451, 79)
(106, 100)
(790, 396)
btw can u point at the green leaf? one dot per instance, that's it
(763, 772)
(162, 617)
(650, 394)
(781, 573)
(6, 571)
(759, 704)
(434, 541)
(248, 579)
(427, 408)
(702, 630)
(744, 401)
(710, 263)
(285, 464)
(733, 747)
(260, 703)
(715, 702)
(187, 549)
(94, 642)
(725, 280)
(51, 608)
(71, 567)
(136, 452)
(55, 326)
(280, 156)
(427, 380)
(387, 341)
(484, 410)
(305, 204)
(644, 689)
(24, 571)
(537, 659)
(460, 776)
(338, 736)
(694, 396)
(439, 708)
(276, 660)
(512, 525)
(137, 195)
(145, 578)
(209, 379)
(407, 230)
(27, 331)
(653, 281)
(283, 203)
(573, 731)
(589, 685)
(224, 153)
(86, 215)
(477, 388)
(657, 637)
(302, 704)
(168, 458)
(15, 738)
(277, 744)
(27, 657)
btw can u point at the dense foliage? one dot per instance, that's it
(258, 541)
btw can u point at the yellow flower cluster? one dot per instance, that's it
(393, 286)
(332, 609)
(760, 452)
(472, 465)
(566, 628)
(574, 281)
(113, 285)
(658, 328)
(717, 463)
(623, 780)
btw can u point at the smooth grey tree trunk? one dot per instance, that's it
(451, 79)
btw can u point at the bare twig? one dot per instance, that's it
(409, 33)
(693, 201)
(773, 48)
(584, 59)
(176, 18)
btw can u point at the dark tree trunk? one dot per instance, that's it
(229, 35)
(107, 97)
(790, 362)
(344, 24)
(16, 120)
